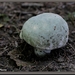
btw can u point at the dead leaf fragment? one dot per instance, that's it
(13, 55)
(1, 25)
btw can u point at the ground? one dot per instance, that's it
(16, 55)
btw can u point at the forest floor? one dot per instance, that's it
(16, 55)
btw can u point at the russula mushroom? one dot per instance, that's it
(45, 32)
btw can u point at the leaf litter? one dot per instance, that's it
(20, 54)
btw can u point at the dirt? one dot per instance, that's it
(17, 55)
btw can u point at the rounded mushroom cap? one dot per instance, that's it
(45, 31)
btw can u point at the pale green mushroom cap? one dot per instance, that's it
(45, 32)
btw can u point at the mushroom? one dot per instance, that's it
(45, 32)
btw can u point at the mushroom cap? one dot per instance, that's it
(45, 31)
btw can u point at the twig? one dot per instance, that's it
(32, 5)
(73, 32)
(70, 40)
(71, 46)
(1, 65)
(3, 69)
(46, 66)
(24, 13)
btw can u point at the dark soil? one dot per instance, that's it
(17, 55)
